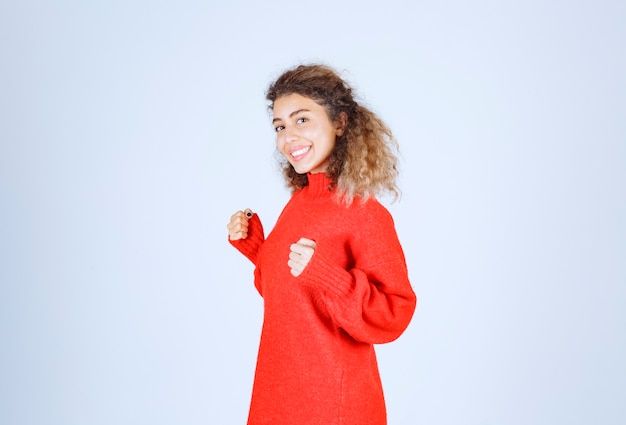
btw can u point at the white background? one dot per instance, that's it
(131, 131)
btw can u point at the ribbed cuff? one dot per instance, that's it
(323, 274)
(251, 244)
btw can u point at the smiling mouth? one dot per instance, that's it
(300, 152)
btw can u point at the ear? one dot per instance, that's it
(341, 122)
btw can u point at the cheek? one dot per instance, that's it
(279, 142)
(329, 138)
(281, 146)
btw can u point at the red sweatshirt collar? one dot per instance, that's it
(319, 185)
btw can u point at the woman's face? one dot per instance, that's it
(305, 135)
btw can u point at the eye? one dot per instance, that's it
(302, 120)
(279, 128)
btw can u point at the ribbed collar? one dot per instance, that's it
(319, 185)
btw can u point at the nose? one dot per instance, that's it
(290, 134)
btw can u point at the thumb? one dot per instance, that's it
(248, 212)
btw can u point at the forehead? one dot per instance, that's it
(288, 104)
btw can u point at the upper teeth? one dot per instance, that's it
(300, 151)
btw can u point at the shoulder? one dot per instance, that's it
(371, 216)
(372, 208)
(374, 239)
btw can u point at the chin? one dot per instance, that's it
(301, 170)
(307, 169)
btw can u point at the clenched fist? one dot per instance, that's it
(238, 225)
(300, 255)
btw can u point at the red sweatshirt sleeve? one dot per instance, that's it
(251, 244)
(374, 301)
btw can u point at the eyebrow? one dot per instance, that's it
(291, 114)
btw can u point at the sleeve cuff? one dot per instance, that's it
(323, 274)
(249, 246)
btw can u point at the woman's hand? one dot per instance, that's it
(300, 255)
(238, 225)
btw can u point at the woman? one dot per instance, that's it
(332, 273)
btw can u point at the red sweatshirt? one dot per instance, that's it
(316, 362)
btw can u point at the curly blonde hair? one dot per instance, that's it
(363, 162)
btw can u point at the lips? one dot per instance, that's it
(300, 152)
